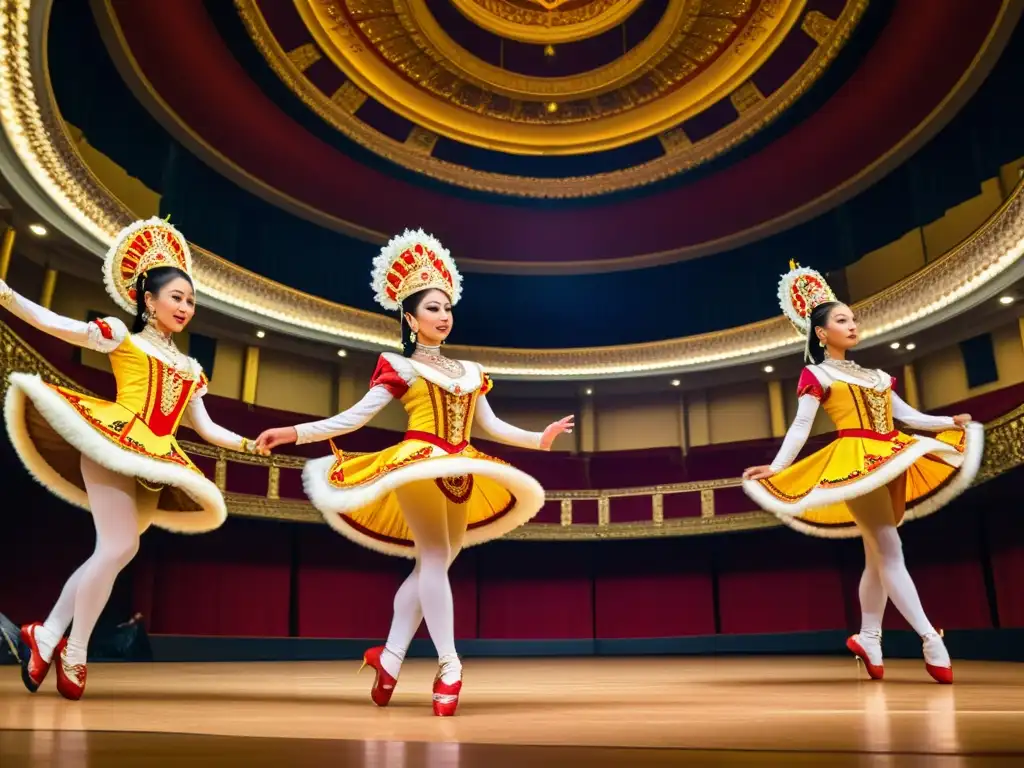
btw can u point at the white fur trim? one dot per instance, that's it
(69, 424)
(967, 462)
(111, 273)
(333, 502)
(395, 247)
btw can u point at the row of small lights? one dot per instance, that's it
(910, 347)
(40, 231)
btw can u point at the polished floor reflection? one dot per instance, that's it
(636, 712)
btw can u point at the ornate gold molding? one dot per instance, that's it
(387, 47)
(1004, 450)
(38, 137)
(571, 187)
(545, 21)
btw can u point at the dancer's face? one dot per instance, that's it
(173, 306)
(840, 330)
(432, 320)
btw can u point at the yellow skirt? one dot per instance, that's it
(357, 497)
(922, 473)
(52, 427)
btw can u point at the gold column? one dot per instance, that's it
(49, 286)
(6, 249)
(684, 429)
(250, 375)
(1020, 325)
(913, 397)
(777, 406)
(586, 427)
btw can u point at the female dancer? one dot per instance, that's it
(119, 460)
(433, 493)
(872, 477)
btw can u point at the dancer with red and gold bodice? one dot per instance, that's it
(872, 477)
(433, 493)
(119, 460)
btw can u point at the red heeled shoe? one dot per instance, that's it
(943, 675)
(446, 696)
(383, 683)
(70, 677)
(33, 668)
(875, 671)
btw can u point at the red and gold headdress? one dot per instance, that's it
(800, 291)
(138, 248)
(413, 261)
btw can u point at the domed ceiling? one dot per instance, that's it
(593, 136)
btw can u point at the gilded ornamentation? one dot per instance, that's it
(707, 503)
(675, 141)
(456, 489)
(658, 509)
(818, 26)
(878, 409)
(348, 97)
(273, 480)
(171, 386)
(421, 140)
(547, 21)
(746, 97)
(46, 152)
(305, 56)
(565, 513)
(604, 511)
(456, 411)
(582, 186)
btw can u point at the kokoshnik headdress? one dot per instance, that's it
(800, 291)
(138, 248)
(413, 261)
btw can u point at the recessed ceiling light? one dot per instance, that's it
(769, 369)
(37, 229)
(588, 391)
(342, 353)
(1006, 300)
(676, 382)
(894, 345)
(911, 347)
(260, 334)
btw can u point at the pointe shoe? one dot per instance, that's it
(33, 668)
(868, 650)
(383, 683)
(936, 659)
(446, 695)
(70, 677)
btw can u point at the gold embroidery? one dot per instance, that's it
(877, 406)
(456, 409)
(170, 390)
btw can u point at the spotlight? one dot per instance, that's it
(894, 345)
(588, 391)
(260, 334)
(342, 353)
(911, 347)
(1006, 300)
(769, 369)
(37, 229)
(676, 382)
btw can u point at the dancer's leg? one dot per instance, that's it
(425, 510)
(112, 502)
(874, 517)
(52, 630)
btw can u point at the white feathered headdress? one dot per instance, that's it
(413, 261)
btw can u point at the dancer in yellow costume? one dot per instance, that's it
(433, 493)
(873, 476)
(120, 459)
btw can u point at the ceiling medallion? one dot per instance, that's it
(681, 153)
(384, 47)
(547, 21)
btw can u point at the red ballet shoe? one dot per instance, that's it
(70, 677)
(33, 668)
(383, 683)
(934, 646)
(446, 696)
(875, 671)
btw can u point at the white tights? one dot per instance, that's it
(113, 501)
(438, 528)
(885, 574)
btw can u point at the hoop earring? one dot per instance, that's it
(145, 317)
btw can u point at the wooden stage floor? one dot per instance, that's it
(596, 712)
